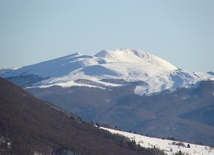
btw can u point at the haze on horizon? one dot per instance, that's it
(181, 32)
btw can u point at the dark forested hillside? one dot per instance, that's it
(30, 126)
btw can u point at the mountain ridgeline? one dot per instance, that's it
(131, 89)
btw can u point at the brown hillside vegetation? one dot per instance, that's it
(29, 126)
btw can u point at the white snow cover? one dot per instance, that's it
(153, 73)
(170, 147)
(134, 56)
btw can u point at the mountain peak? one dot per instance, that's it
(134, 56)
(116, 52)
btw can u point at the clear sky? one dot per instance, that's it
(179, 31)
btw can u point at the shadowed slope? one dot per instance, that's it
(28, 125)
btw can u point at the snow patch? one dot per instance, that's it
(170, 147)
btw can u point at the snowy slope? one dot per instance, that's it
(107, 67)
(170, 147)
(134, 56)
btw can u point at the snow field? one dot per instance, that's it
(170, 147)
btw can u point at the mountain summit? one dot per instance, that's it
(109, 68)
(134, 56)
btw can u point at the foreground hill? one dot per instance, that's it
(30, 126)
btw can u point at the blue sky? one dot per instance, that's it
(179, 31)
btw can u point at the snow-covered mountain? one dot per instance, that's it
(110, 68)
(128, 88)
